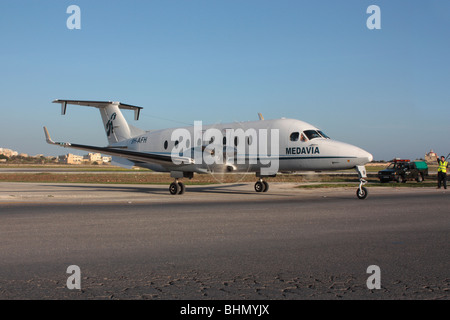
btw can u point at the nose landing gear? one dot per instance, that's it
(362, 192)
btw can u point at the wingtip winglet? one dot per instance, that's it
(47, 136)
(50, 141)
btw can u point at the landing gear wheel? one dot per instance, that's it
(174, 188)
(259, 186)
(362, 193)
(266, 186)
(181, 187)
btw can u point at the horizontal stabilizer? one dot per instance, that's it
(98, 104)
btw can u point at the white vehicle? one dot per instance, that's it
(265, 147)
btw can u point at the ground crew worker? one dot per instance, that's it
(442, 172)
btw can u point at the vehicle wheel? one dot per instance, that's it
(181, 187)
(266, 186)
(259, 186)
(362, 194)
(174, 188)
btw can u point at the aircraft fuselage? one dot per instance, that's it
(295, 151)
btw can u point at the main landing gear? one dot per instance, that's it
(362, 192)
(177, 187)
(261, 186)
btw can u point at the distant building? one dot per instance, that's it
(93, 157)
(430, 157)
(70, 159)
(8, 152)
(86, 159)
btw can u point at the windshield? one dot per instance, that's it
(323, 134)
(312, 134)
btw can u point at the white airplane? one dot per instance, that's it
(294, 146)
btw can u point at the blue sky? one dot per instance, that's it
(386, 91)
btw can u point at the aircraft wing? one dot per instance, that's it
(122, 152)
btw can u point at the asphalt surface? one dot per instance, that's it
(222, 242)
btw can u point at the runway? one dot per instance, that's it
(222, 242)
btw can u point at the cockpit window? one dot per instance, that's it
(323, 135)
(302, 137)
(294, 136)
(312, 134)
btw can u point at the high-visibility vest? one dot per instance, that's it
(443, 166)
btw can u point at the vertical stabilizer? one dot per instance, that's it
(116, 127)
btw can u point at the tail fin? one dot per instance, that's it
(116, 127)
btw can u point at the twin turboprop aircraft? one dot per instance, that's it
(265, 147)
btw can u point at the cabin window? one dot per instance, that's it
(236, 141)
(166, 145)
(294, 136)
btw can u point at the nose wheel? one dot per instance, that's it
(261, 186)
(362, 192)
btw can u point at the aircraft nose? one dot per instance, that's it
(365, 156)
(360, 156)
